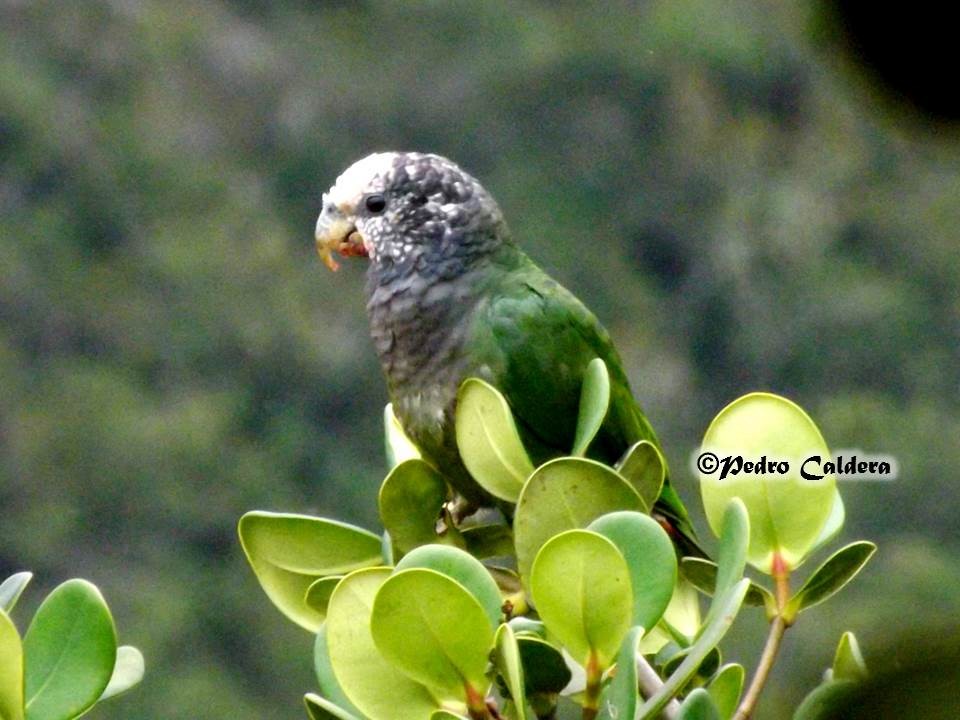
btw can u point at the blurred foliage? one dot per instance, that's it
(710, 178)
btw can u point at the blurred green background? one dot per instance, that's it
(713, 179)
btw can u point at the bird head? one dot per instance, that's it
(396, 207)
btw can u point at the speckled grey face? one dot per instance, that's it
(403, 206)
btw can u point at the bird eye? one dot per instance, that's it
(376, 203)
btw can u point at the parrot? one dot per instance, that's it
(450, 295)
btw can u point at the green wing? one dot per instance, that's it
(534, 341)
(537, 339)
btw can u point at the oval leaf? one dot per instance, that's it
(488, 440)
(319, 708)
(434, 630)
(545, 672)
(594, 401)
(465, 569)
(326, 679)
(399, 447)
(288, 553)
(11, 589)
(848, 662)
(619, 699)
(581, 587)
(523, 625)
(826, 701)
(698, 705)
(836, 571)
(11, 670)
(645, 468)
(834, 523)
(485, 541)
(508, 582)
(650, 557)
(734, 540)
(411, 500)
(372, 683)
(69, 652)
(566, 494)
(506, 658)
(722, 617)
(683, 613)
(725, 689)
(787, 512)
(127, 671)
(707, 668)
(702, 574)
(386, 549)
(318, 594)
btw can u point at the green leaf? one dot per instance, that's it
(411, 500)
(545, 672)
(461, 566)
(651, 560)
(836, 571)
(826, 701)
(833, 525)
(594, 401)
(722, 617)
(645, 468)
(581, 587)
(372, 683)
(11, 670)
(506, 658)
(318, 594)
(507, 580)
(434, 630)
(682, 618)
(319, 708)
(326, 679)
(288, 553)
(386, 549)
(725, 689)
(69, 652)
(734, 539)
(523, 625)
(488, 440)
(399, 447)
(447, 715)
(485, 541)
(787, 512)
(702, 574)
(619, 699)
(732, 553)
(127, 671)
(566, 494)
(848, 662)
(12, 588)
(698, 705)
(705, 670)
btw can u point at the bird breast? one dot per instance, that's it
(419, 330)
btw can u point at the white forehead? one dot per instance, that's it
(357, 179)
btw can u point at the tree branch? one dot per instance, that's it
(650, 682)
(778, 626)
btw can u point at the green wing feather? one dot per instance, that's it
(535, 339)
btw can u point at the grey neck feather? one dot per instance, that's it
(419, 315)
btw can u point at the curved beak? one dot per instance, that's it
(336, 232)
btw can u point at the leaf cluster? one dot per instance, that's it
(68, 660)
(574, 595)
